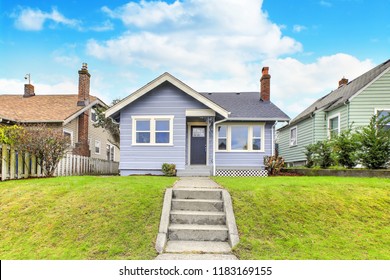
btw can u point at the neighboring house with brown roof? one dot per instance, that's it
(73, 112)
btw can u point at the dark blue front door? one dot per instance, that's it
(198, 144)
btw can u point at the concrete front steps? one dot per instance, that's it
(195, 171)
(195, 221)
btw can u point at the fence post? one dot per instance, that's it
(33, 166)
(12, 163)
(4, 166)
(20, 164)
(27, 165)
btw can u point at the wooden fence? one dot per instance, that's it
(14, 165)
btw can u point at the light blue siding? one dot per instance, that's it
(246, 159)
(165, 99)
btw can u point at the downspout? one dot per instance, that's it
(272, 139)
(214, 141)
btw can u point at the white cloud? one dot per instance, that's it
(14, 86)
(326, 3)
(105, 26)
(34, 19)
(296, 85)
(196, 38)
(213, 47)
(299, 28)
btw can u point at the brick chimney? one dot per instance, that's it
(84, 82)
(82, 146)
(265, 85)
(28, 90)
(343, 82)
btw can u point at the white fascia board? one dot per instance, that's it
(158, 81)
(89, 106)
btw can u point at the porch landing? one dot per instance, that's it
(195, 171)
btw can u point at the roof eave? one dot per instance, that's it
(82, 110)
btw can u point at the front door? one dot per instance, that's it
(198, 144)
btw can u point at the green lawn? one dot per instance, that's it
(81, 217)
(311, 217)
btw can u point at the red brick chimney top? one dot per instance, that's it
(265, 84)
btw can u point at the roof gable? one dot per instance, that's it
(344, 93)
(166, 77)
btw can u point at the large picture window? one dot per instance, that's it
(240, 137)
(153, 130)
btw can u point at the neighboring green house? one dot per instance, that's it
(350, 105)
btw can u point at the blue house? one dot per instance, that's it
(203, 134)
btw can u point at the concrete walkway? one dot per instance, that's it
(196, 182)
(215, 250)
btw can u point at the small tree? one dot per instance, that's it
(346, 146)
(48, 145)
(10, 134)
(319, 154)
(107, 123)
(375, 143)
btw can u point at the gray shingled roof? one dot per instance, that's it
(246, 106)
(339, 96)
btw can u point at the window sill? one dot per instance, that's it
(152, 145)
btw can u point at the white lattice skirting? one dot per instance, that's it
(242, 173)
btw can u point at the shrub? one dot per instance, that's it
(273, 164)
(48, 144)
(346, 147)
(320, 154)
(10, 134)
(375, 143)
(169, 169)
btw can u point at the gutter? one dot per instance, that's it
(214, 141)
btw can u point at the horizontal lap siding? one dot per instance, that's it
(363, 106)
(163, 100)
(305, 137)
(246, 159)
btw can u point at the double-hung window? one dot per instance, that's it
(240, 137)
(334, 126)
(152, 130)
(293, 136)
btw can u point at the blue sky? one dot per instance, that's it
(211, 45)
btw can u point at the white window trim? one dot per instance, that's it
(332, 117)
(152, 120)
(97, 144)
(296, 136)
(250, 138)
(71, 136)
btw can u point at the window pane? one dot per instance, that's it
(222, 131)
(222, 144)
(143, 126)
(162, 137)
(162, 125)
(334, 123)
(256, 131)
(256, 144)
(143, 137)
(239, 137)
